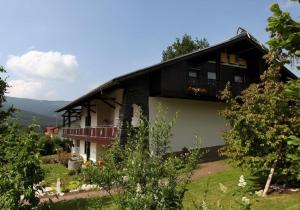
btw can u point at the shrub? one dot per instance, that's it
(50, 146)
(146, 178)
(63, 158)
(46, 145)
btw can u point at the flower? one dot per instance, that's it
(125, 178)
(245, 200)
(138, 188)
(204, 206)
(258, 193)
(242, 182)
(223, 188)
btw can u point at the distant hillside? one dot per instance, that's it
(42, 107)
(43, 110)
(26, 118)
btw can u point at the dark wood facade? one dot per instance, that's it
(197, 76)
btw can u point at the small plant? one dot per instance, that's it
(240, 196)
(145, 177)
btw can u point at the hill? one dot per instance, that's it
(42, 110)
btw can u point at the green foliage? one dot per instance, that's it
(69, 180)
(215, 196)
(266, 115)
(145, 178)
(285, 33)
(183, 46)
(20, 170)
(239, 196)
(262, 119)
(3, 88)
(50, 146)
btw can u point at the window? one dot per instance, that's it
(192, 74)
(211, 75)
(238, 79)
(211, 78)
(192, 78)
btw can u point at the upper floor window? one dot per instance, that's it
(238, 79)
(192, 78)
(211, 78)
(192, 74)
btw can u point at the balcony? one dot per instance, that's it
(101, 134)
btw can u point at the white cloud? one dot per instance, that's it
(45, 65)
(25, 88)
(33, 89)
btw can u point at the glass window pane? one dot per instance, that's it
(211, 75)
(192, 74)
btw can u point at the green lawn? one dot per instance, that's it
(55, 171)
(196, 192)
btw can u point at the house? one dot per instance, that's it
(51, 131)
(188, 84)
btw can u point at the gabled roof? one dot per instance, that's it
(244, 35)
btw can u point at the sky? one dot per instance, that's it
(61, 49)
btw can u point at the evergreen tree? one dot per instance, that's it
(183, 46)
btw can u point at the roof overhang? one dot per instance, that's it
(118, 80)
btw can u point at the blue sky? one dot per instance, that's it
(77, 45)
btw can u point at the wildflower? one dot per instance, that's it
(258, 193)
(223, 188)
(204, 206)
(138, 188)
(245, 200)
(125, 178)
(242, 182)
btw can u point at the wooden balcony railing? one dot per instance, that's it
(100, 134)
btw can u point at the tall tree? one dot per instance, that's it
(265, 118)
(3, 88)
(183, 46)
(20, 170)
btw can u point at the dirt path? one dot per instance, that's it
(205, 169)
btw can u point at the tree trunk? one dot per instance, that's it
(267, 186)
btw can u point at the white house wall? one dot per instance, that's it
(105, 115)
(195, 118)
(81, 150)
(93, 152)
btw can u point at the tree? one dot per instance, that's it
(183, 46)
(3, 88)
(145, 178)
(266, 115)
(20, 170)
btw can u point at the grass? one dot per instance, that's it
(209, 187)
(55, 171)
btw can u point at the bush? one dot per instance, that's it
(147, 179)
(52, 146)
(49, 159)
(46, 146)
(63, 158)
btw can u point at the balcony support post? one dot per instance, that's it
(69, 118)
(64, 120)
